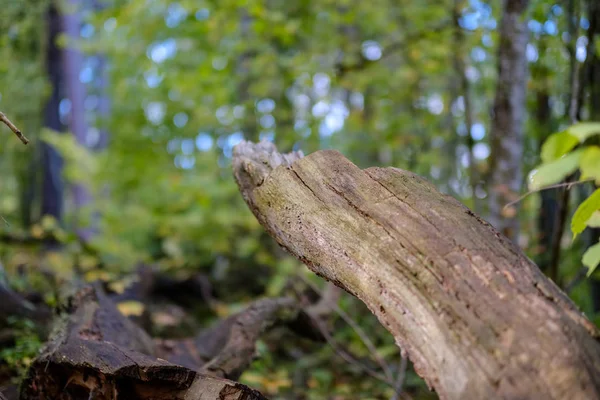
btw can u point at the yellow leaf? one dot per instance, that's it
(48, 222)
(60, 263)
(251, 377)
(96, 275)
(118, 286)
(87, 262)
(37, 231)
(222, 310)
(274, 385)
(131, 307)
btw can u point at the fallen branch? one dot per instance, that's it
(474, 314)
(14, 304)
(13, 128)
(97, 353)
(228, 347)
(241, 332)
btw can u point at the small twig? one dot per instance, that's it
(357, 329)
(402, 366)
(365, 339)
(341, 352)
(13, 128)
(580, 277)
(347, 357)
(568, 185)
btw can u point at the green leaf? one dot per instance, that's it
(590, 163)
(557, 145)
(584, 212)
(554, 171)
(591, 258)
(594, 221)
(584, 130)
(81, 163)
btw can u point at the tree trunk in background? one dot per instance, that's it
(101, 86)
(462, 300)
(544, 126)
(460, 68)
(561, 201)
(508, 118)
(52, 182)
(76, 91)
(549, 206)
(593, 58)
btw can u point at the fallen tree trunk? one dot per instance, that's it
(95, 352)
(475, 315)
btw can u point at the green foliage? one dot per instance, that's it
(584, 130)
(81, 164)
(558, 145)
(186, 80)
(584, 212)
(590, 163)
(554, 171)
(26, 347)
(594, 220)
(562, 154)
(558, 161)
(591, 258)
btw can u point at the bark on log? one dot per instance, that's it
(475, 315)
(96, 353)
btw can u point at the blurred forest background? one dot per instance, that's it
(133, 109)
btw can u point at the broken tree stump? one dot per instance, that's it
(478, 319)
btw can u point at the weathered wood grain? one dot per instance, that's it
(475, 315)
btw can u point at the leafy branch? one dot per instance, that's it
(562, 155)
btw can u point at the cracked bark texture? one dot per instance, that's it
(508, 119)
(475, 315)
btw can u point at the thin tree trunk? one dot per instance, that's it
(549, 205)
(76, 91)
(587, 70)
(102, 85)
(52, 163)
(508, 119)
(552, 229)
(460, 69)
(573, 24)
